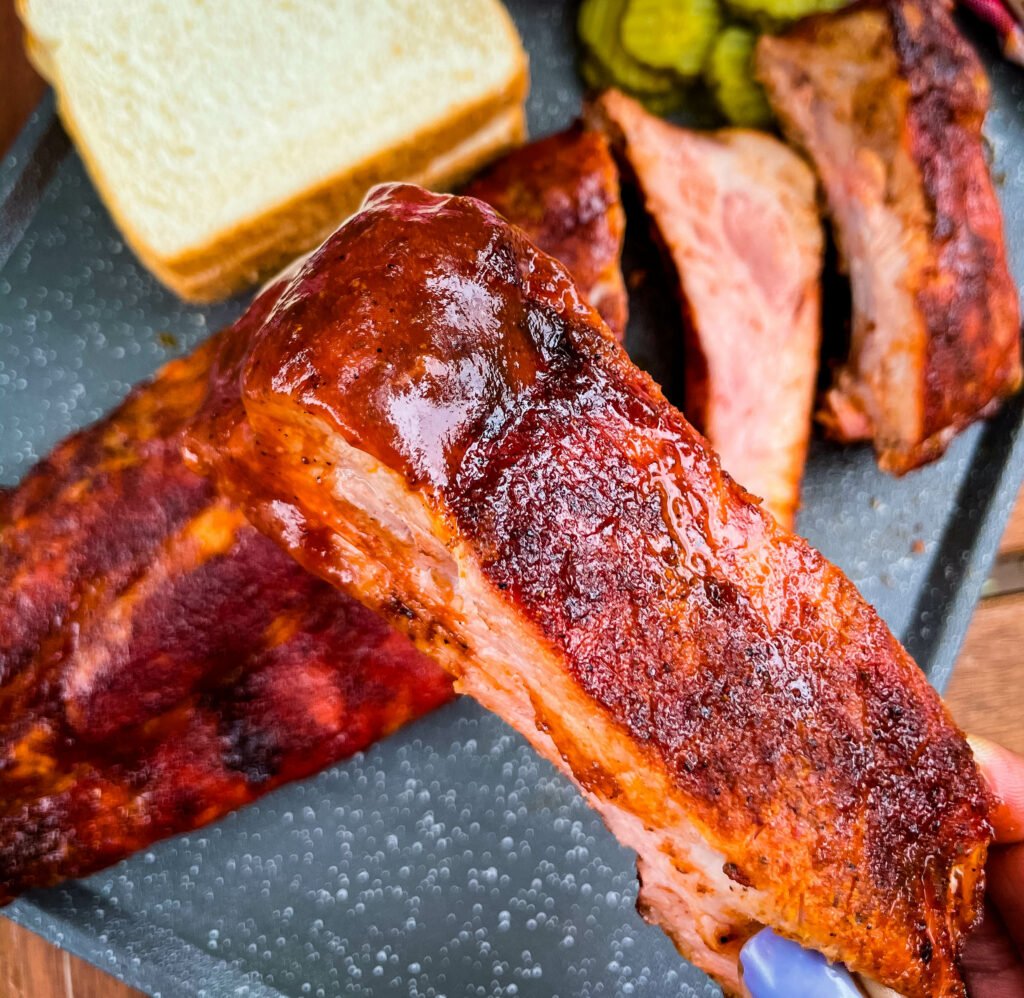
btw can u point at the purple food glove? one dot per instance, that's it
(774, 967)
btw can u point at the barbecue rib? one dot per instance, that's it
(737, 213)
(161, 662)
(434, 420)
(563, 192)
(888, 100)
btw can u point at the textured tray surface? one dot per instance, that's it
(448, 860)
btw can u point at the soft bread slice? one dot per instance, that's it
(304, 222)
(225, 137)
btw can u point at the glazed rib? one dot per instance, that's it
(434, 420)
(736, 212)
(161, 662)
(563, 192)
(888, 100)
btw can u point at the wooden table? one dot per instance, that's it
(985, 694)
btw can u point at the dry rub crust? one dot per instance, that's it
(435, 421)
(248, 252)
(912, 381)
(161, 662)
(974, 353)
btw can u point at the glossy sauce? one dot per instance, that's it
(161, 662)
(434, 338)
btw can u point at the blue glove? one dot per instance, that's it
(774, 967)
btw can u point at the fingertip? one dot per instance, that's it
(984, 750)
(1003, 771)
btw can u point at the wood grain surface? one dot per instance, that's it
(986, 694)
(30, 967)
(1013, 538)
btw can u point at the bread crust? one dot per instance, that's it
(243, 254)
(246, 254)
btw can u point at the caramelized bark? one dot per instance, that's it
(736, 212)
(889, 100)
(434, 420)
(563, 192)
(161, 662)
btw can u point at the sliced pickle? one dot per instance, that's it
(594, 73)
(598, 25)
(671, 34)
(769, 14)
(730, 77)
(668, 104)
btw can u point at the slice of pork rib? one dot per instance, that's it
(433, 419)
(161, 662)
(736, 212)
(563, 192)
(888, 100)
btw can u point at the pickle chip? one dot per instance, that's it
(598, 25)
(769, 14)
(730, 77)
(594, 73)
(674, 35)
(665, 104)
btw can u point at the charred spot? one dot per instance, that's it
(715, 591)
(251, 752)
(756, 653)
(926, 951)
(733, 872)
(398, 608)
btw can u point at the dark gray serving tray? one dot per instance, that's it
(448, 860)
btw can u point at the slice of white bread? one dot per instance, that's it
(226, 136)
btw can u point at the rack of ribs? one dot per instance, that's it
(737, 214)
(434, 420)
(161, 662)
(888, 100)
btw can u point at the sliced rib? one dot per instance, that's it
(161, 662)
(563, 192)
(888, 100)
(736, 211)
(433, 419)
